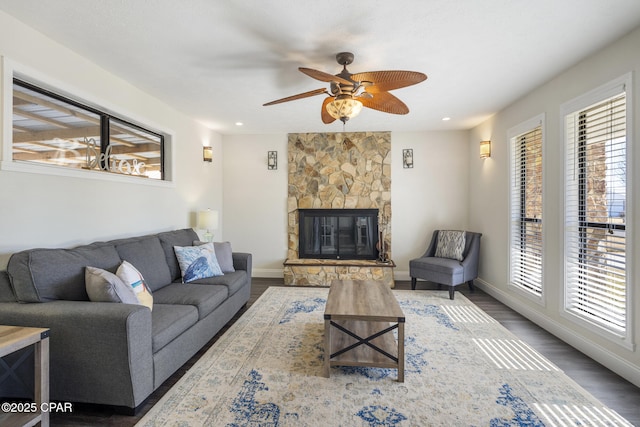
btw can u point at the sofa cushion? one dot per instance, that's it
(205, 298)
(445, 271)
(169, 321)
(197, 262)
(233, 281)
(104, 286)
(147, 256)
(40, 275)
(169, 239)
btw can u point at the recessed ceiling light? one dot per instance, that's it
(445, 119)
(239, 123)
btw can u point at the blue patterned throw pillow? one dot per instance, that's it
(450, 244)
(197, 262)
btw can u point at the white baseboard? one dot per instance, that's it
(612, 361)
(401, 275)
(276, 273)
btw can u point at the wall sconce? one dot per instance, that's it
(207, 154)
(485, 149)
(407, 158)
(272, 160)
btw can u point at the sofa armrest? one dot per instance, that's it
(431, 249)
(99, 352)
(242, 261)
(6, 291)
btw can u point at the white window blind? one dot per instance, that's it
(526, 211)
(596, 214)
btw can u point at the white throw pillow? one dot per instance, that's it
(132, 277)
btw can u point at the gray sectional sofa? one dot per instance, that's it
(113, 353)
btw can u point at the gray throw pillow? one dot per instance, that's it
(103, 286)
(224, 255)
(450, 244)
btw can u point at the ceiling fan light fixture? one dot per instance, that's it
(344, 109)
(348, 93)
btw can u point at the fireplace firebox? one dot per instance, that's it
(338, 233)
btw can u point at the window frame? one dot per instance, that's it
(512, 135)
(74, 96)
(568, 109)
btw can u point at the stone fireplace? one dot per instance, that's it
(340, 171)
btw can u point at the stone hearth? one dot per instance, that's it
(321, 272)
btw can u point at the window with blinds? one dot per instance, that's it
(526, 211)
(595, 228)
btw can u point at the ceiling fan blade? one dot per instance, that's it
(384, 81)
(385, 102)
(326, 117)
(298, 96)
(324, 77)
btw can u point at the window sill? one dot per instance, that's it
(17, 166)
(625, 341)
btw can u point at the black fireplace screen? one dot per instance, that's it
(338, 233)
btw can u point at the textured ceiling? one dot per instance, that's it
(219, 61)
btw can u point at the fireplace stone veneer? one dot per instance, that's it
(321, 272)
(346, 170)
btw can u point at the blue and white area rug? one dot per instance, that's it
(462, 369)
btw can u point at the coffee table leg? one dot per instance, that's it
(41, 380)
(401, 352)
(327, 347)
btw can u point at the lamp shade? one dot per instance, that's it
(208, 220)
(207, 154)
(344, 109)
(485, 149)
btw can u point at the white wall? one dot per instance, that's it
(432, 195)
(489, 196)
(47, 211)
(255, 200)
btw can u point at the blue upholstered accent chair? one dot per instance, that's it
(447, 271)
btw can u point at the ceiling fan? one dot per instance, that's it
(348, 93)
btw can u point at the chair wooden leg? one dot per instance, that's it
(413, 283)
(471, 287)
(452, 290)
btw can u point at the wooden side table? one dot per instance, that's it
(14, 338)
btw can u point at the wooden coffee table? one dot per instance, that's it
(14, 338)
(359, 320)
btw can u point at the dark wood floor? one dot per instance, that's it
(609, 388)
